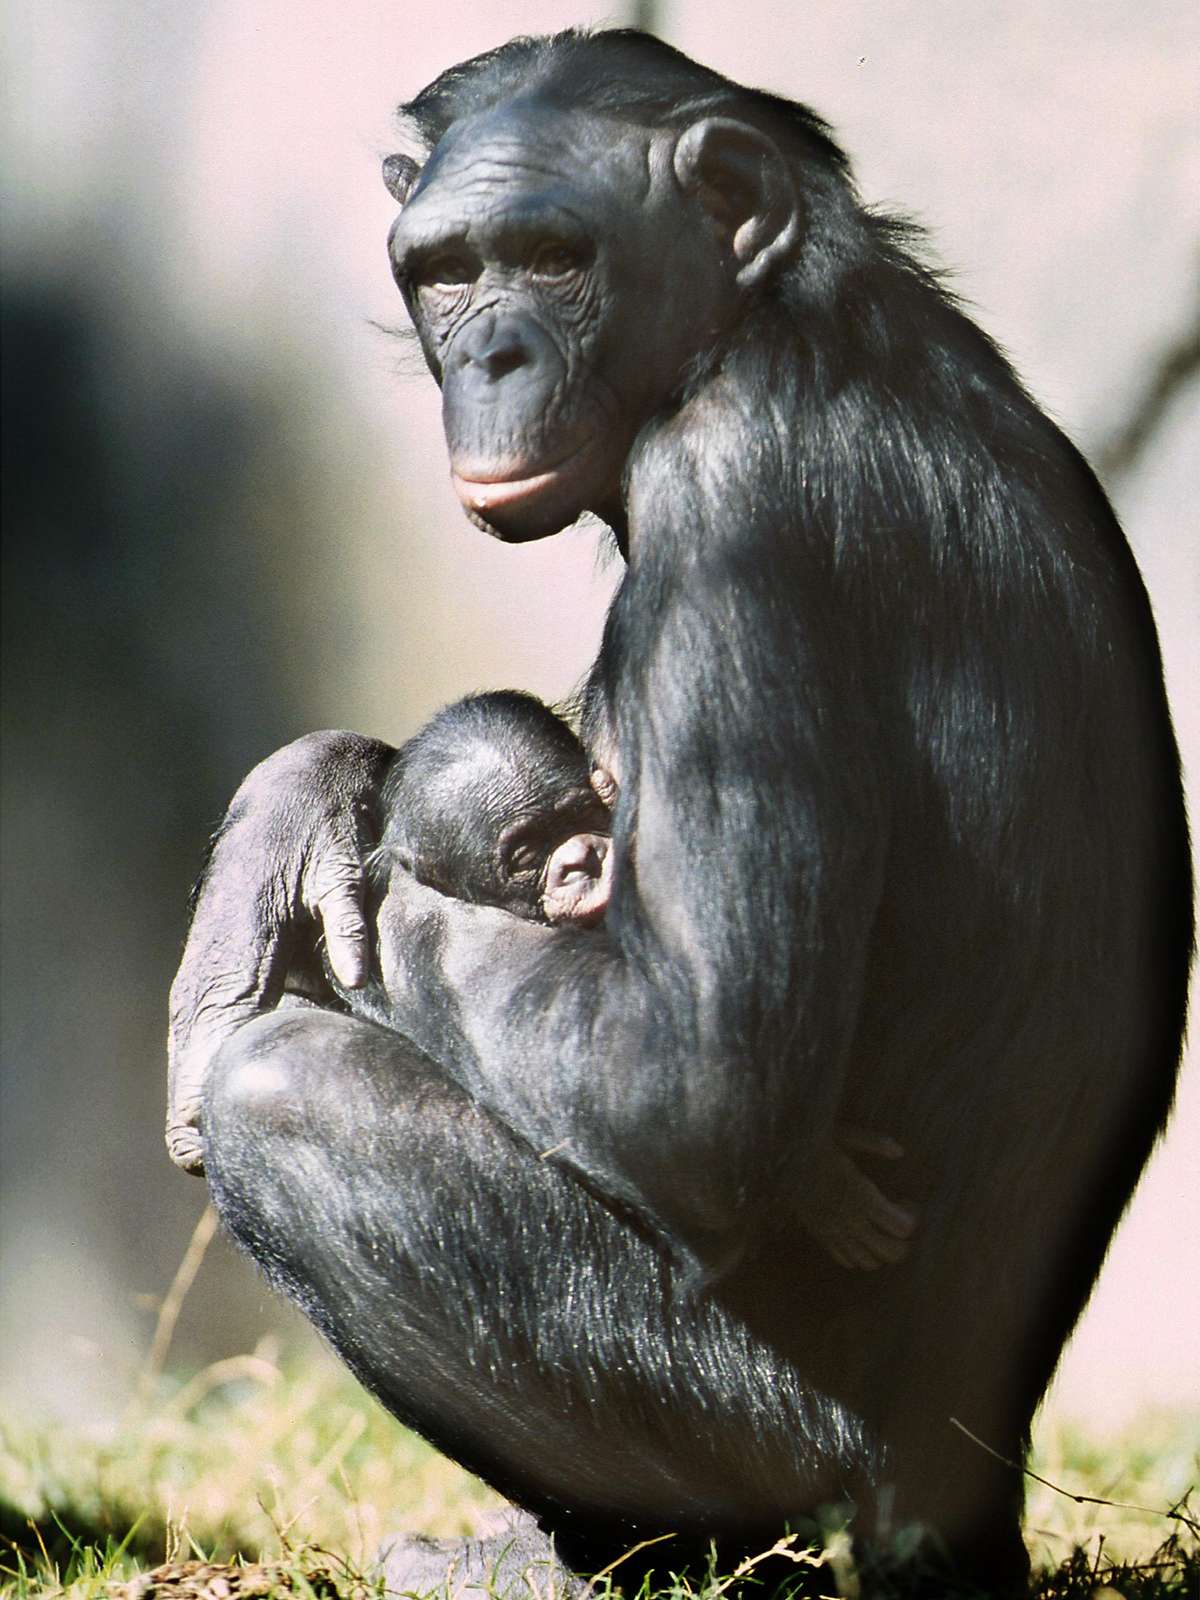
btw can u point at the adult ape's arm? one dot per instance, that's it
(687, 1059)
(285, 864)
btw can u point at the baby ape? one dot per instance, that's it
(899, 843)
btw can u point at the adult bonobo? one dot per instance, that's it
(899, 842)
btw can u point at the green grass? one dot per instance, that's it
(295, 1467)
(249, 1456)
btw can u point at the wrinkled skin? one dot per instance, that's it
(523, 236)
(305, 817)
(898, 846)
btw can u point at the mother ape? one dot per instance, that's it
(899, 841)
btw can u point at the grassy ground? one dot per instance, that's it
(290, 1470)
(300, 1469)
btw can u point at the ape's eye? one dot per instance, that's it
(556, 261)
(523, 858)
(446, 271)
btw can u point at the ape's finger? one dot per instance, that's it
(870, 1144)
(184, 1147)
(865, 1260)
(899, 1221)
(333, 891)
(880, 1212)
(885, 1250)
(850, 1246)
(340, 911)
(605, 786)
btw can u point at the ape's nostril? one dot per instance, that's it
(502, 359)
(495, 346)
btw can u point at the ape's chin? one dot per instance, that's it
(513, 530)
(521, 509)
(518, 506)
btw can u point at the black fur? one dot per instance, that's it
(882, 658)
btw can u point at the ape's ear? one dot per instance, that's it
(400, 174)
(743, 182)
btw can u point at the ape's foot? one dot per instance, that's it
(516, 1562)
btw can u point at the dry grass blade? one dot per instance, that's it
(1174, 1513)
(168, 1315)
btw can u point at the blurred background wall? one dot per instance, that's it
(228, 518)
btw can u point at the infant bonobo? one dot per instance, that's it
(495, 801)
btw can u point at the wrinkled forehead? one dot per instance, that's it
(535, 146)
(504, 773)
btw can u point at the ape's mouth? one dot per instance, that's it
(503, 488)
(483, 495)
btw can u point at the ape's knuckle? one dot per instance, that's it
(312, 786)
(337, 873)
(185, 1147)
(272, 783)
(349, 932)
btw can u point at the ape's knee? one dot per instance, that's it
(292, 1076)
(254, 1089)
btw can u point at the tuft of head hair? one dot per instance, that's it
(616, 72)
(495, 720)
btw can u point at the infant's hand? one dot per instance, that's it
(847, 1214)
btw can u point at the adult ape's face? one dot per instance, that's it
(561, 272)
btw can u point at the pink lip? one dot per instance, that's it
(494, 494)
(484, 497)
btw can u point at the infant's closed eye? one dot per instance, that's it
(523, 860)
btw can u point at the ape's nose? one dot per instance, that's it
(497, 345)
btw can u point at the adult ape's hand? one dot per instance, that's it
(286, 864)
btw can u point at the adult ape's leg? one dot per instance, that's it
(494, 1305)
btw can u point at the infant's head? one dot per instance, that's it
(493, 802)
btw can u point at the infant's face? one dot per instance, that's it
(513, 822)
(554, 864)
